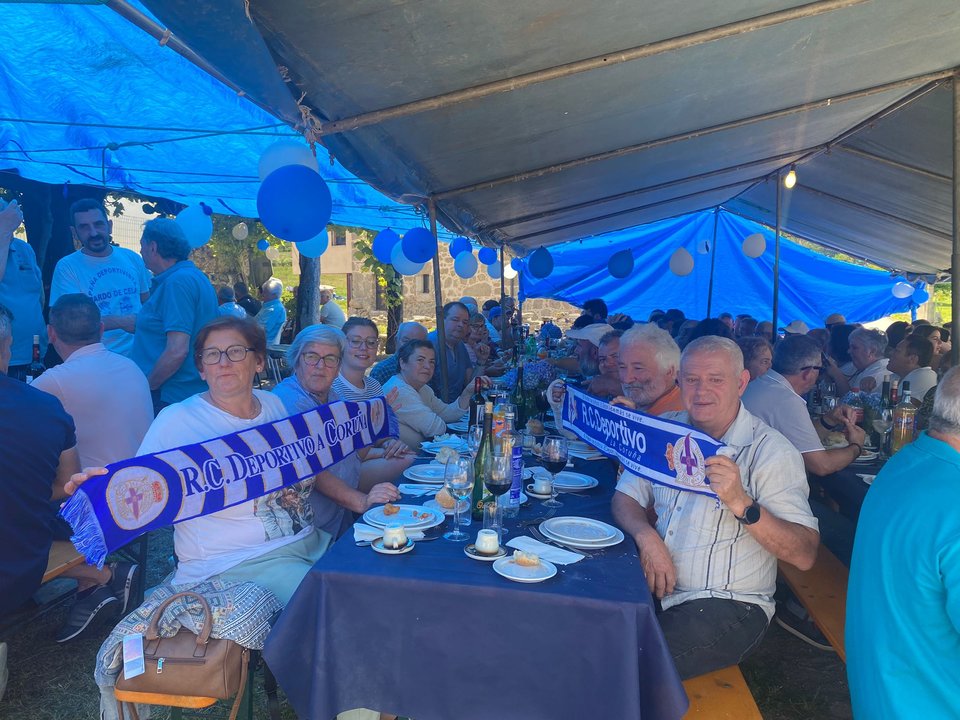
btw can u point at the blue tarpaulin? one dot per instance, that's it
(88, 98)
(811, 285)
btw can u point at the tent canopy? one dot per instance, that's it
(542, 122)
(812, 286)
(105, 105)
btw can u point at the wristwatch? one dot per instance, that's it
(751, 514)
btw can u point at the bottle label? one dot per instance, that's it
(516, 466)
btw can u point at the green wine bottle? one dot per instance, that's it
(482, 463)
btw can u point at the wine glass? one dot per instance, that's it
(458, 479)
(497, 483)
(883, 423)
(474, 436)
(553, 456)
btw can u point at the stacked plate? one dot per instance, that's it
(581, 532)
(430, 473)
(458, 444)
(567, 481)
(412, 517)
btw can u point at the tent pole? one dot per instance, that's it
(503, 287)
(955, 254)
(713, 261)
(438, 293)
(776, 260)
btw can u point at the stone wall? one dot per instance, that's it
(419, 301)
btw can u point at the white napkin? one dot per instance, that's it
(362, 531)
(546, 552)
(587, 455)
(417, 489)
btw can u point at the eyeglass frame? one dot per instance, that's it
(369, 342)
(818, 368)
(221, 353)
(320, 358)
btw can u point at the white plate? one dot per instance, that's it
(471, 552)
(579, 529)
(432, 447)
(434, 505)
(379, 547)
(507, 568)
(376, 517)
(430, 473)
(567, 481)
(586, 545)
(868, 479)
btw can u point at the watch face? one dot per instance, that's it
(751, 514)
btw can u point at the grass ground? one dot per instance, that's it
(789, 679)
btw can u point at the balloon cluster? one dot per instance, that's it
(407, 254)
(294, 201)
(918, 293)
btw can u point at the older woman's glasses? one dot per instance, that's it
(314, 359)
(360, 342)
(234, 353)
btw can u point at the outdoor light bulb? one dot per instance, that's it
(790, 179)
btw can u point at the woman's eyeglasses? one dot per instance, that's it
(314, 359)
(360, 342)
(234, 353)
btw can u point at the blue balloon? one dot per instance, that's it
(314, 247)
(459, 245)
(419, 245)
(541, 263)
(517, 264)
(402, 264)
(921, 296)
(465, 265)
(294, 203)
(487, 255)
(383, 245)
(620, 264)
(263, 244)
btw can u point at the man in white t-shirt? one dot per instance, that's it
(911, 361)
(106, 394)
(114, 277)
(330, 312)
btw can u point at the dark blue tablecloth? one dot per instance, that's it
(849, 490)
(435, 635)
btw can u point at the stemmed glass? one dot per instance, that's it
(498, 482)
(883, 423)
(458, 479)
(474, 436)
(553, 455)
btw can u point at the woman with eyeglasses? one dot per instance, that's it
(315, 355)
(389, 458)
(421, 413)
(270, 540)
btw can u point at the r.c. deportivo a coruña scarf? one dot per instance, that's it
(663, 451)
(152, 491)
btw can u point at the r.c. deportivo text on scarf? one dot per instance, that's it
(152, 491)
(663, 451)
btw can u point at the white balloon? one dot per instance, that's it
(902, 290)
(465, 265)
(754, 245)
(240, 231)
(196, 225)
(401, 263)
(509, 273)
(272, 253)
(286, 152)
(681, 262)
(494, 270)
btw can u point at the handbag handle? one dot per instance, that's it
(153, 631)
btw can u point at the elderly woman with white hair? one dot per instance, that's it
(315, 356)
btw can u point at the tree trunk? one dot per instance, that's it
(308, 295)
(394, 311)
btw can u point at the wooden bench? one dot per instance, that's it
(63, 556)
(822, 590)
(720, 695)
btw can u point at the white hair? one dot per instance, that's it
(666, 350)
(874, 340)
(946, 404)
(325, 334)
(716, 344)
(273, 286)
